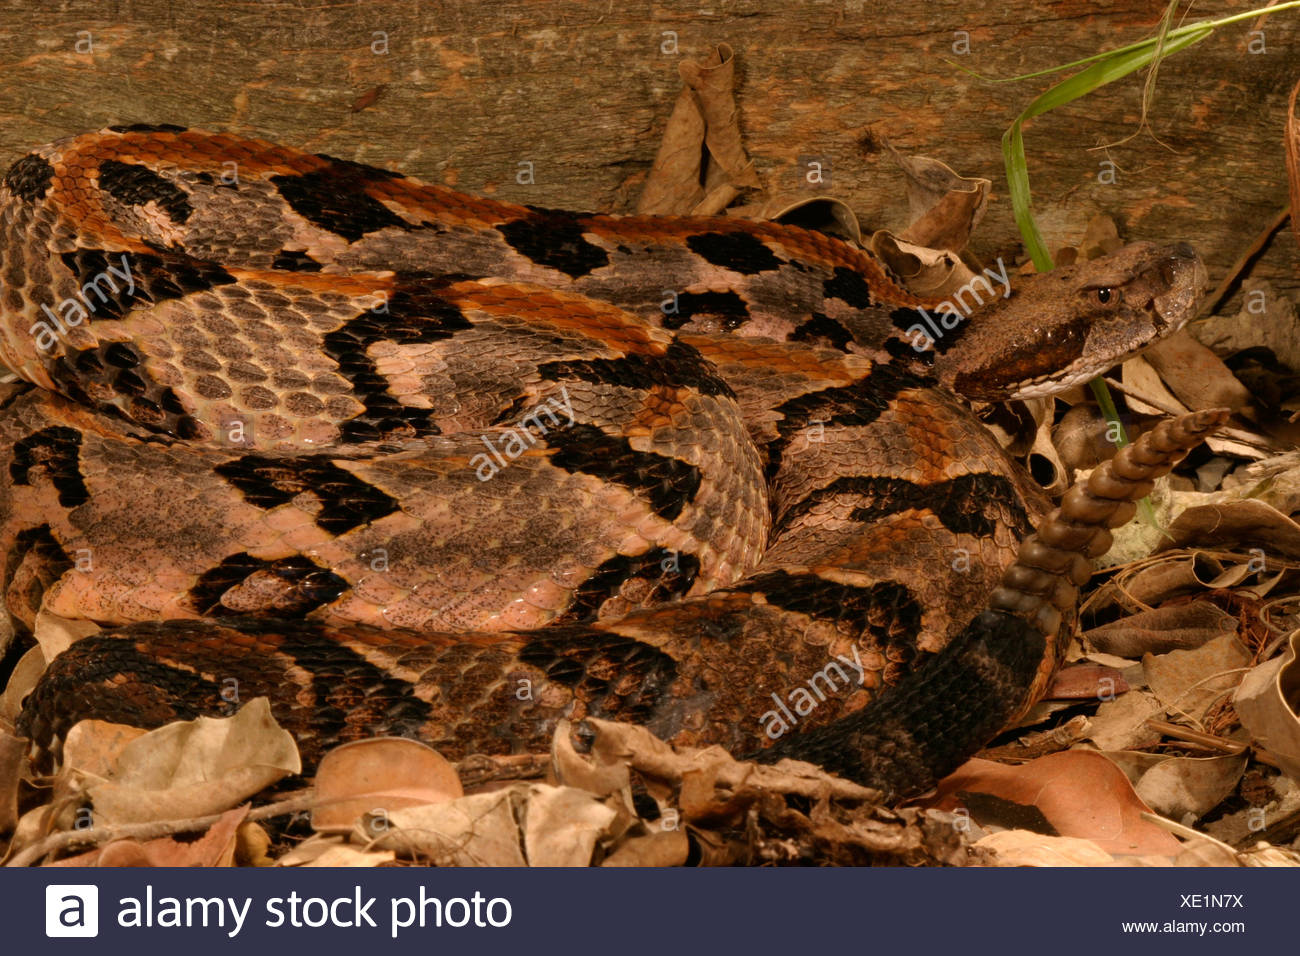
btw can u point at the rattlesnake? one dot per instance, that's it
(411, 461)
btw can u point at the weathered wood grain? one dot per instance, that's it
(462, 93)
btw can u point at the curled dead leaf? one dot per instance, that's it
(379, 775)
(1079, 792)
(196, 767)
(1268, 701)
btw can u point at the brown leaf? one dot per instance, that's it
(216, 847)
(1080, 792)
(1178, 627)
(563, 825)
(93, 747)
(481, 829)
(25, 674)
(658, 848)
(384, 773)
(1121, 724)
(1188, 682)
(1268, 700)
(1026, 848)
(196, 767)
(943, 206)
(1086, 682)
(13, 755)
(1196, 375)
(1266, 319)
(1251, 524)
(1177, 787)
(927, 272)
(705, 114)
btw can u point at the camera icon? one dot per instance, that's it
(71, 909)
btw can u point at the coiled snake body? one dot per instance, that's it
(409, 461)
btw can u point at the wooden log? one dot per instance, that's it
(469, 94)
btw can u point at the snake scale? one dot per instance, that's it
(408, 461)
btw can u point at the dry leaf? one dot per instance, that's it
(196, 767)
(1178, 787)
(1121, 724)
(1188, 682)
(13, 754)
(481, 829)
(1250, 524)
(658, 848)
(93, 747)
(925, 271)
(350, 856)
(1267, 318)
(1026, 848)
(385, 773)
(705, 114)
(943, 206)
(252, 844)
(1079, 792)
(1161, 629)
(1267, 702)
(216, 847)
(25, 674)
(1196, 375)
(1086, 682)
(56, 634)
(562, 826)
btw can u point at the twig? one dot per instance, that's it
(1220, 744)
(94, 836)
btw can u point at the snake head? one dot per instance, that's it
(1061, 328)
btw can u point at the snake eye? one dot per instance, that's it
(1103, 296)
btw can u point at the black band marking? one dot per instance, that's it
(855, 405)
(849, 286)
(292, 260)
(728, 306)
(738, 251)
(108, 294)
(416, 312)
(673, 574)
(138, 185)
(667, 483)
(308, 584)
(886, 610)
(681, 366)
(616, 676)
(335, 199)
(554, 238)
(967, 504)
(57, 452)
(347, 502)
(148, 128)
(923, 728)
(822, 327)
